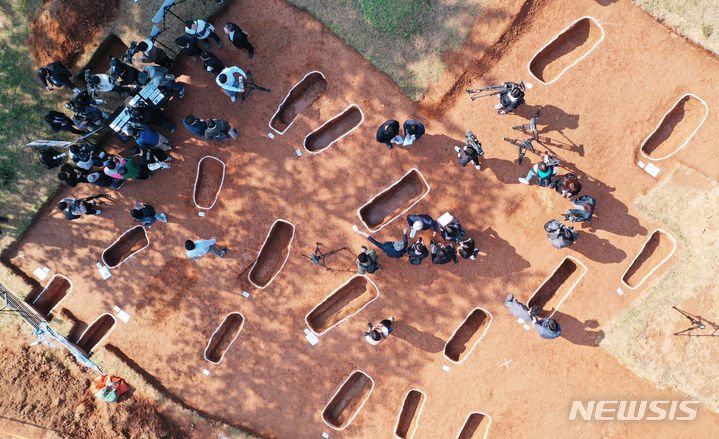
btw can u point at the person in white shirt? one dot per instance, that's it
(230, 83)
(379, 333)
(202, 30)
(199, 248)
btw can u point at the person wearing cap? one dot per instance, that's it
(61, 122)
(231, 84)
(199, 248)
(547, 328)
(379, 333)
(518, 309)
(393, 249)
(388, 133)
(367, 261)
(422, 222)
(56, 75)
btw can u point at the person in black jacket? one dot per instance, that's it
(153, 117)
(56, 75)
(413, 130)
(388, 133)
(212, 63)
(189, 46)
(442, 254)
(417, 252)
(511, 98)
(238, 37)
(71, 175)
(74, 208)
(153, 54)
(61, 122)
(154, 158)
(466, 249)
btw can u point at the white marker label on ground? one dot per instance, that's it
(640, 164)
(445, 368)
(652, 170)
(619, 291)
(298, 152)
(271, 135)
(104, 271)
(200, 213)
(122, 315)
(206, 372)
(526, 327)
(40, 273)
(246, 294)
(325, 435)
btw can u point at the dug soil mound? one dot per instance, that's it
(54, 396)
(62, 29)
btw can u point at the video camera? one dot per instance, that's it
(473, 143)
(130, 52)
(506, 87)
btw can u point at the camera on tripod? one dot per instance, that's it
(472, 142)
(492, 90)
(130, 52)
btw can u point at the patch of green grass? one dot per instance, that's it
(707, 30)
(687, 18)
(401, 18)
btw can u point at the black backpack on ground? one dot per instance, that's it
(51, 158)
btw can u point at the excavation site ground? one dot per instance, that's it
(626, 104)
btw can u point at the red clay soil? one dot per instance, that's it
(345, 301)
(409, 415)
(47, 398)
(300, 98)
(658, 247)
(394, 200)
(341, 410)
(675, 128)
(273, 254)
(56, 290)
(62, 29)
(333, 129)
(467, 335)
(131, 241)
(556, 286)
(223, 338)
(271, 379)
(209, 182)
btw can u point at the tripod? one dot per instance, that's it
(696, 321)
(318, 257)
(250, 85)
(522, 147)
(531, 126)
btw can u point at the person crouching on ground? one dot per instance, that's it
(393, 249)
(146, 214)
(417, 252)
(546, 328)
(367, 261)
(199, 248)
(413, 130)
(466, 249)
(74, 208)
(379, 333)
(442, 254)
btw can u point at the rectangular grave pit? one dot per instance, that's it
(96, 332)
(300, 97)
(676, 128)
(408, 418)
(557, 287)
(334, 129)
(657, 249)
(348, 400)
(208, 182)
(467, 335)
(346, 301)
(476, 426)
(127, 245)
(566, 49)
(392, 202)
(223, 337)
(273, 255)
(55, 292)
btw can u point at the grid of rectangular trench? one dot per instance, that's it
(335, 128)
(655, 251)
(223, 337)
(348, 400)
(301, 96)
(550, 294)
(344, 302)
(676, 128)
(475, 427)
(467, 335)
(100, 328)
(394, 200)
(129, 243)
(565, 50)
(273, 254)
(55, 291)
(409, 415)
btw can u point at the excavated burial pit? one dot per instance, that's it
(334, 129)
(658, 248)
(55, 292)
(301, 97)
(348, 400)
(676, 128)
(343, 303)
(223, 337)
(475, 427)
(208, 183)
(96, 332)
(392, 202)
(100, 60)
(273, 254)
(558, 286)
(409, 415)
(129, 243)
(566, 49)
(467, 335)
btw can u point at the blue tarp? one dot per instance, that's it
(45, 334)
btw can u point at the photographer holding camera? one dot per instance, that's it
(471, 151)
(511, 98)
(544, 170)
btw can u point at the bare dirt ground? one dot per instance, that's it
(271, 379)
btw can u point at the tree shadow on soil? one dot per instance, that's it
(578, 332)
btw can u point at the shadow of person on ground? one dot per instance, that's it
(579, 332)
(419, 339)
(551, 117)
(598, 249)
(496, 256)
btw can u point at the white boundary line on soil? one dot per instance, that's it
(486, 328)
(706, 114)
(337, 116)
(131, 254)
(358, 408)
(232, 341)
(114, 323)
(417, 415)
(197, 178)
(285, 99)
(335, 291)
(45, 289)
(387, 189)
(289, 248)
(579, 264)
(486, 433)
(674, 241)
(555, 38)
